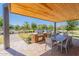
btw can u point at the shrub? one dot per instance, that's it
(26, 37)
(1, 39)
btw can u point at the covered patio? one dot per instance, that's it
(23, 49)
(45, 11)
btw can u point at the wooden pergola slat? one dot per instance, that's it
(47, 11)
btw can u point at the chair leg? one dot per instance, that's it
(66, 50)
(61, 48)
(52, 48)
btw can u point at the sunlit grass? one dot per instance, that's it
(25, 36)
(1, 39)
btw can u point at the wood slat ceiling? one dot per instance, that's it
(47, 11)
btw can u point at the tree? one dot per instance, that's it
(17, 27)
(1, 22)
(42, 27)
(34, 26)
(71, 25)
(11, 26)
(22, 28)
(50, 27)
(26, 26)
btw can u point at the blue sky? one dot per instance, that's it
(19, 20)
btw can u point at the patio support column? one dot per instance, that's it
(54, 28)
(6, 26)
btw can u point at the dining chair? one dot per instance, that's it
(50, 42)
(65, 44)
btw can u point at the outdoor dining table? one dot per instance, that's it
(59, 38)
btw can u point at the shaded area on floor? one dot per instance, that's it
(73, 51)
(54, 52)
(14, 52)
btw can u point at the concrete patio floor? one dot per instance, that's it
(20, 48)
